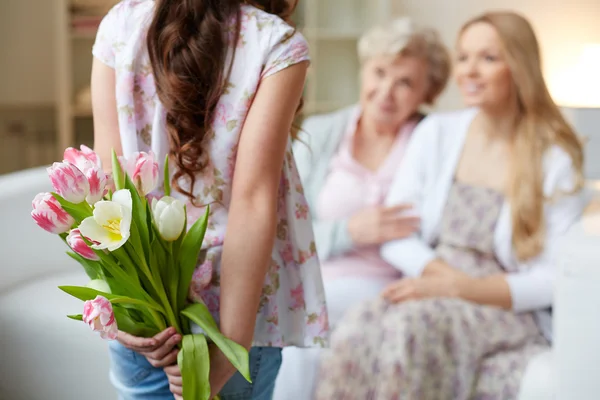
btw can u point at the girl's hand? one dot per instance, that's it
(221, 370)
(175, 381)
(159, 350)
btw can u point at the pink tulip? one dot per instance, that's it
(49, 215)
(99, 315)
(69, 182)
(80, 247)
(83, 159)
(143, 171)
(98, 182)
(110, 184)
(88, 162)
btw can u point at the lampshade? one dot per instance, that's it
(579, 86)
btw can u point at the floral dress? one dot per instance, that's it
(292, 307)
(438, 348)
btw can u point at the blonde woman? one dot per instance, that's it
(496, 187)
(347, 160)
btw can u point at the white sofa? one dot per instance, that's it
(46, 356)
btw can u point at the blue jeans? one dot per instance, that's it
(135, 379)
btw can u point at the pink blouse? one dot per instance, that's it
(350, 187)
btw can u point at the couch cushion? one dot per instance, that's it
(51, 356)
(538, 381)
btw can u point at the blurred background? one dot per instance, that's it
(45, 61)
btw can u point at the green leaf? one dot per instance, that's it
(162, 261)
(150, 224)
(118, 175)
(85, 293)
(79, 212)
(194, 363)
(77, 317)
(125, 260)
(172, 276)
(127, 324)
(161, 266)
(136, 243)
(189, 252)
(167, 177)
(139, 214)
(130, 282)
(235, 353)
(93, 269)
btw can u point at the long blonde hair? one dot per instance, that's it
(540, 125)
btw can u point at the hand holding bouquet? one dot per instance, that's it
(140, 257)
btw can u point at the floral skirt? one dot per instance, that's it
(432, 349)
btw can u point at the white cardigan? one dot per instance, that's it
(424, 179)
(320, 140)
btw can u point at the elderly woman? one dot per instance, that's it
(347, 160)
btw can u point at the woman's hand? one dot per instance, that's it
(446, 283)
(160, 350)
(374, 226)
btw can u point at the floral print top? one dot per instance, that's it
(292, 307)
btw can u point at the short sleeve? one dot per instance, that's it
(287, 47)
(107, 36)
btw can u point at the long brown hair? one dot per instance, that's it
(188, 42)
(540, 125)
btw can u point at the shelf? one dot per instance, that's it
(331, 34)
(81, 112)
(84, 27)
(323, 107)
(337, 72)
(333, 29)
(83, 35)
(348, 15)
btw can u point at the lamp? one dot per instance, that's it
(580, 98)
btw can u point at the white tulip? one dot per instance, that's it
(110, 225)
(169, 215)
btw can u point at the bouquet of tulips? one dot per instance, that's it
(139, 255)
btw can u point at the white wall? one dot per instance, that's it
(26, 52)
(562, 26)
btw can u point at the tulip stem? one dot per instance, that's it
(160, 291)
(88, 208)
(174, 277)
(134, 258)
(160, 324)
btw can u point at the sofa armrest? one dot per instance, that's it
(577, 311)
(27, 251)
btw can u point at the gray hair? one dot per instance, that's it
(402, 37)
